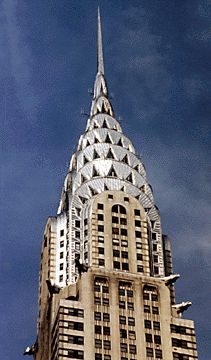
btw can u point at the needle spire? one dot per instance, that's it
(100, 47)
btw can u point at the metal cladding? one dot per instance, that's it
(106, 160)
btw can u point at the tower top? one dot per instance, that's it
(100, 63)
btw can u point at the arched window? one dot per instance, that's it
(118, 209)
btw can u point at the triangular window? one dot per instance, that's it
(95, 155)
(125, 159)
(94, 172)
(105, 187)
(83, 200)
(136, 168)
(104, 125)
(96, 141)
(120, 142)
(87, 143)
(130, 178)
(110, 155)
(108, 139)
(112, 172)
(85, 160)
(95, 125)
(83, 179)
(92, 191)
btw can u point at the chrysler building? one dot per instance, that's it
(106, 286)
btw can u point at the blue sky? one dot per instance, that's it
(157, 65)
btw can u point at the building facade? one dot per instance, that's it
(106, 285)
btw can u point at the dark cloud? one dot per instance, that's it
(157, 63)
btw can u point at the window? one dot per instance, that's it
(106, 330)
(115, 231)
(124, 232)
(116, 265)
(100, 228)
(138, 223)
(107, 357)
(132, 335)
(77, 234)
(125, 266)
(140, 268)
(156, 270)
(106, 345)
(155, 258)
(130, 306)
(130, 293)
(61, 266)
(76, 325)
(137, 212)
(100, 239)
(179, 343)
(132, 349)
(177, 356)
(178, 329)
(131, 321)
(62, 243)
(85, 222)
(98, 329)
(61, 278)
(124, 243)
(123, 221)
(116, 253)
(76, 312)
(139, 256)
(100, 217)
(123, 347)
(154, 236)
(123, 333)
(122, 210)
(148, 338)
(101, 262)
(146, 308)
(146, 296)
(138, 245)
(122, 320)
(147, 324)
(154, 297)
(97, 315)
(75, 354)
(155, 247)
(156, 325)
(97, 300)
(61, 255)
(77, 223)
(124, 254)
(126, 199)
(105, 302)
(100, 206)
(106, 317)
(157, 339)
(115, 220)
(61, 232)
(105, 289)
(138, 234)
(115, 242)
(149, 352)
(98, 356)
(158, 354)
(155, 310)
(109, 195)
(122, 304)
(98, 343)
(75, 339)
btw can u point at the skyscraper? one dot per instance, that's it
(106, 284)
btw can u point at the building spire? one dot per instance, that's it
(100, 63)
